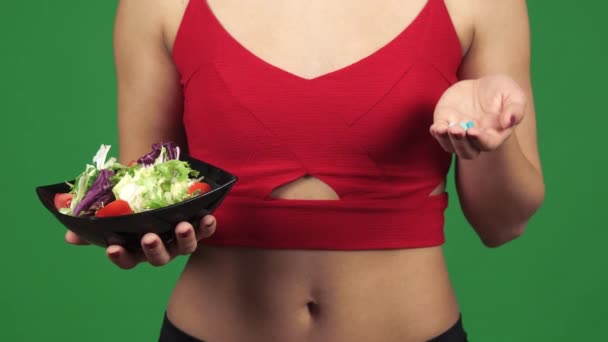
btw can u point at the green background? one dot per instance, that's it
(58, 105)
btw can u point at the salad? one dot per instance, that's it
(108, 188)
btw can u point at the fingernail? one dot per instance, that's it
(209, 223)
(185, 234)
(152, 244)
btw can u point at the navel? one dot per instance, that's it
(313, 309)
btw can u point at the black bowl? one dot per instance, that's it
(128, 230)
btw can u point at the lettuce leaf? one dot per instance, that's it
(155, 186)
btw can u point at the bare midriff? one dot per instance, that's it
(243, 294)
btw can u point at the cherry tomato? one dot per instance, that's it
(115, 208)
(199, 188)
(63, 200)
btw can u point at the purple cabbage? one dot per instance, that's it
(172, 153)
(100, 191)
(101, 202)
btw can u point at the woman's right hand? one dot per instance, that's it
(154, 251)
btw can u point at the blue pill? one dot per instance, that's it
(470, 124)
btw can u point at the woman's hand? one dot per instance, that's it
(154, 251)
(491, 106)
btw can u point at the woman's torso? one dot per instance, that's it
(241, 294)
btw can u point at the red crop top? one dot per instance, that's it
(362, 129)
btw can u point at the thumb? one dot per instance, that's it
(207, 227)
(512, 114)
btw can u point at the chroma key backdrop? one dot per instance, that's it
(58, 105)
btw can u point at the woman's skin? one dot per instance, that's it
(242, 294)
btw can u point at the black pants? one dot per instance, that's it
(171, 333)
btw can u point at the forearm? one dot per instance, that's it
(499, 192)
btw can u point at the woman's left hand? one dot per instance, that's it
(478, 115)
